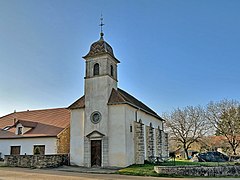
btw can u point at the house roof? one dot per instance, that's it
(119, 96)
(4, 133)
(29, 124)
(44, 123)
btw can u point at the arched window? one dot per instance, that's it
(96, 69)
(111, 70)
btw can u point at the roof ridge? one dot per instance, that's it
(121, 95)
(41, 109)
(115, 97)
(124, 97)
(131, 99)
(79, 103)
(26, 121)
(32, 111)
(6, 115)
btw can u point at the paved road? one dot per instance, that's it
(38, 174)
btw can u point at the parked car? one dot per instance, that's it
(212, 157)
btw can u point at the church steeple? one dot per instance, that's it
(100, 80)
(100, 60)
(101, 46)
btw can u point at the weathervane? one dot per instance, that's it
(101, 25)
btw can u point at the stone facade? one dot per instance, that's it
(63, 142)
(150, 142)
(155, 144)
(198, 170)
(105, 151)
(36, 161)
(159, 143)
(139, 143)
(87, 152)
(165, 145)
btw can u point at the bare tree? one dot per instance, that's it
(225, 117)
(187, 126)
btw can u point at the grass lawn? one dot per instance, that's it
(139, 170)
(148, 169)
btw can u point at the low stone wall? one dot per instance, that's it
(199, 170)
(36, 161)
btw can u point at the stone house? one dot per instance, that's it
(110, 127)
(35, 132)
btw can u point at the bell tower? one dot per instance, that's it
(101, 69)
(100, 79)
(100, 60)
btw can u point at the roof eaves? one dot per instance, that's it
(77, 107)
(18, 137)
(100, 54)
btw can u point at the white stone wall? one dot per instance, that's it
(117, 139)
(105, 62)
(97, 93)
(120, 150)
(77, 137)
(147, 119)
(129, 121)
(27, 145)
(121, 140)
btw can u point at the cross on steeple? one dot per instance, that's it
(101, 25)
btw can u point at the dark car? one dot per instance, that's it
(212, 157)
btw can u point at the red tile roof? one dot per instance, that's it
(29, 124)
(5, 134)
(44, 123)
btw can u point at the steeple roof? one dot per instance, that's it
(100, 47)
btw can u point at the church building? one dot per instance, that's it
(108, 126)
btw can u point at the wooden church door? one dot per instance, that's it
(96, 153)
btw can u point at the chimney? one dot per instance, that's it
(14, 117)
(14, 121)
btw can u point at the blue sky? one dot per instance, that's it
(173, 53)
